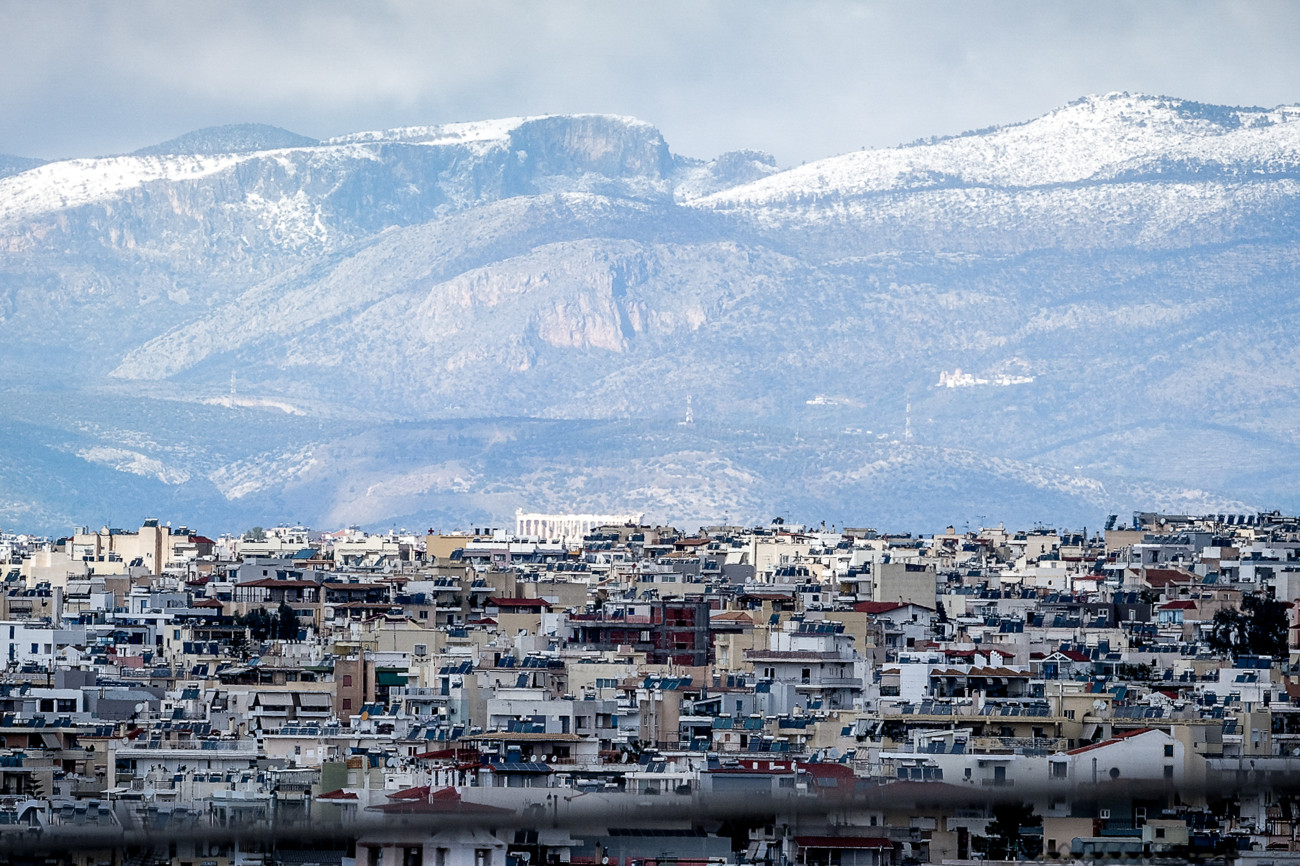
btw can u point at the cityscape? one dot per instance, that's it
(595, 688)
(691, 433)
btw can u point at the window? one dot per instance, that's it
(1169, 771)
(47, 705)
(1169, 750)
(482, 857)
(347, 703)
(412, 855)
(1059, 769)
(1160, 832)
(347, 679)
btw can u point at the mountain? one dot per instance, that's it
(10, 165)
(1086, 313)
(234, 138)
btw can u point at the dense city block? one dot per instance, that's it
(596, 689)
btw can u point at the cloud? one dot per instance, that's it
(802, 80)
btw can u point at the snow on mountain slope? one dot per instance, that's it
(992, 221)
(477, 161)
(497, 130)
(1129, 260)
(1082, 141)
(70, 183)
(398, 261)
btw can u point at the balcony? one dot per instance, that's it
(831, 683)
(1019, 745)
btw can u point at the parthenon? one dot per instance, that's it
(567, 527)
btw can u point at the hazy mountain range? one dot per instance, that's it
(1083, 314)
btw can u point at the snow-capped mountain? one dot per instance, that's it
(1080, 314)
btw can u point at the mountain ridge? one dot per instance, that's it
(231, 138)
(542, 274)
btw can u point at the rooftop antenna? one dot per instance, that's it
(690, 412)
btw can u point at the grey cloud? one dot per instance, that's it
(803, 80)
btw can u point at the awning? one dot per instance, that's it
(273, 699)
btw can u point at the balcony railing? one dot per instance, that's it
(1019, 745)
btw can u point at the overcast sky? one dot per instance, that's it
(801, 80)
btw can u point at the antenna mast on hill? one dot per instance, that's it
(232, 387)
(690, 413)
(907, 422)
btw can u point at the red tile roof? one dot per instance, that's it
(1112, 741)
(1164, 576)
(337, 794)
(443, 801)
(876, 606)
(529, 603)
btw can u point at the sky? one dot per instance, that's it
(800, 80)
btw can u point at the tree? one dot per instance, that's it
(1130, 672)
(1258, 627)
(258, 622)
(239, 644)
(1004, 839)
(256, 534)
(286, 623)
